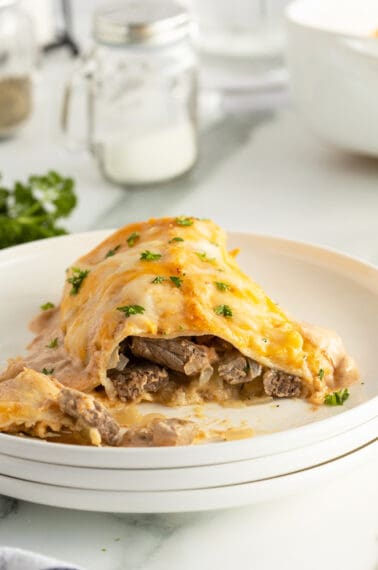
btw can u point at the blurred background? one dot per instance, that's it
(257, 113)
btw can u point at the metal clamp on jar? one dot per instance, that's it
(141, 80)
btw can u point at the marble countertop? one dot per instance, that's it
(259, 170)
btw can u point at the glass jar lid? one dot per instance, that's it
(152, 22)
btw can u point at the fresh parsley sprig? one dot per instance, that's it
(77, 278)
(29, 211)
(337, 398)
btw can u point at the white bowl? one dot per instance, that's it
(333, 65)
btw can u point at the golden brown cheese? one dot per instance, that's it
(192, 252)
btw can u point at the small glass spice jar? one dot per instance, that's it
(17, 62)
(141, 79)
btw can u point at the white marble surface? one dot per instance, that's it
(259, 171)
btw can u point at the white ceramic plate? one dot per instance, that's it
(314, 284)
(186, 500)
(184, 478)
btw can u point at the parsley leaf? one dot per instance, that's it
(53, 344)
(203, 257)
(132, 239)
(77, 279)
(129, 310)
(149, 256)
(176, 239)
(321, 374)
(337, 398)
(113, 251)
(29, 211)
(177, 281)
(47, 306)
(47, 371)
(223, 310)
(222, 286)
(158, 279)
(182, 221)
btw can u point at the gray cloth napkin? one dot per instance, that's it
(17, 559)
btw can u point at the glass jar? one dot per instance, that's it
(17, 61)
(142, 82)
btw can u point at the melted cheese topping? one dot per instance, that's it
(92, 327)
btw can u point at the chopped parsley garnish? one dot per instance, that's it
(47, 371)
(337, 398)
(113, 251)
(132, 239)
(321, 374)
(47, 306)
(77, 279)
(203, 257)
(222, 286)
(149, 256)
(129, 310)
(53, 344)
(265, 340)
(158, 279)
(176, 239)
(177, 281)
(223, 310)
(182, 221)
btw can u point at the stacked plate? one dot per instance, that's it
(295, 445)
(184, 479)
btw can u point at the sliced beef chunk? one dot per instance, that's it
(89, 413)
(177, 354)
(137, 378)
(161, 432)
(281, 385)
(237, 369)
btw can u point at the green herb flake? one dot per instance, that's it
(182, 221)
(203, 257)
(53, 344)
(117, 539)
(104, 549)
(265, 340)
(337, 398)
(149, 256)
(113, 251)
(48, 371)
(158, 280)
(176, 239)
(321, 374)
(129, 310)
(47, 306)
(223, 310)
(177, 281)
(222, 286)
(132, 239)
(78, 276)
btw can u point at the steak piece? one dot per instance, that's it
(132, 381)
(237, 369)
(90, 414)
(281, 385)
(162, 433)
(177, 354)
